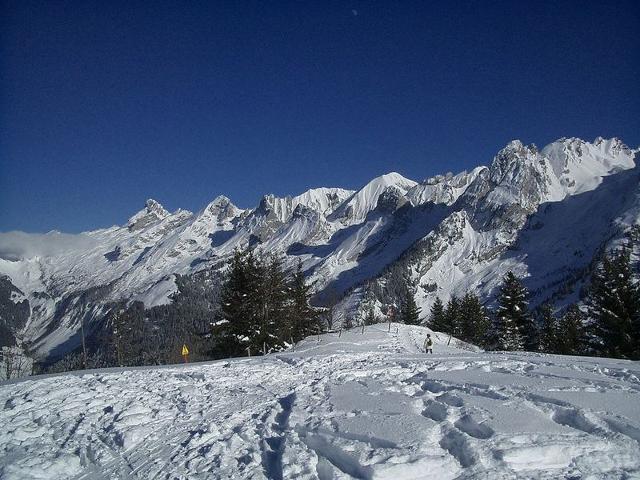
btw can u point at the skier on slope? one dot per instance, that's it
(428, 344)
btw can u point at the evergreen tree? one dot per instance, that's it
(302, 317)
(452, 317)
(614, 306)
(549, 331)
(473, 320)
(238, 296)
(571, 336)
(273, 302)
(370, 317)
(409, 313)
(118, 329)
(347, 323)
(437, 320)
(465, 320)
(514, 328)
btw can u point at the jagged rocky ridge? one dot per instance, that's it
(543, 214)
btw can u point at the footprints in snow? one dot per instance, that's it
(468, 425)
(435, 410)
(329, 454)
(458, 446)
(273, 444)
(459, 427)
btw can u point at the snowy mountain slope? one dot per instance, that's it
(491, 228)
(580, 165)
(355, 209)
(443, 188)
(451, 233)
(368, 406)
(553, 250)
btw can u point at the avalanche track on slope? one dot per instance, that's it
(364, 406)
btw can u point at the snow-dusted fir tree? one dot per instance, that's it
(514, 328)
(370, 317)
(549, 332)
(274, 305)
(571, 335)
(614, 307)
(409, 312)
(256, 305)
(302, 317)
(347, 322)
(473, 319)
(238, 304)
(437, 319)
(452, 316)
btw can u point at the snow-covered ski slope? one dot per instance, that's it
(362, 406)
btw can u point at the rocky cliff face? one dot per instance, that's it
(542, 213)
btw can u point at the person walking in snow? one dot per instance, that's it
(428, 344)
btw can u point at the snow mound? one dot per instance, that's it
(342, 405)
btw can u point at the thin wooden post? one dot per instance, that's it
(248, 351)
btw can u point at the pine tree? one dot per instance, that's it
(302, 318)
(514, 328)
(549, 331)
(465, 320)
(452, 317)
(370, 317)
(273, 301)
(571, 335)
(238, 296)
(118, 330)
(347, 323)
(473, 320)
(437, 319)
(409, 313)
(614, 306)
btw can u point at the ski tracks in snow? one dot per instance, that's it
(381, 410)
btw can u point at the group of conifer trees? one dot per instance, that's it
(263, 307)
(608, 324)
(466, 319)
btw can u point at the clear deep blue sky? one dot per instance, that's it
(105, 104)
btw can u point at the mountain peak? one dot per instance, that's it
(155, 207)
(221, 199)
(152, 212)
(222, 208)
(392, 178)
(517, 148)
(356, 208)
(581, 165)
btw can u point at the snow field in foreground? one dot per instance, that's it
(358, 406)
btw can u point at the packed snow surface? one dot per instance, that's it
(357, 405)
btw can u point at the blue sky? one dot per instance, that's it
(106, 104)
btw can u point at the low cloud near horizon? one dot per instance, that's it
(18, 245)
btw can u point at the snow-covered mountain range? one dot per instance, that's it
(542, 213)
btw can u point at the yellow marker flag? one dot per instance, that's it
(185, 350)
